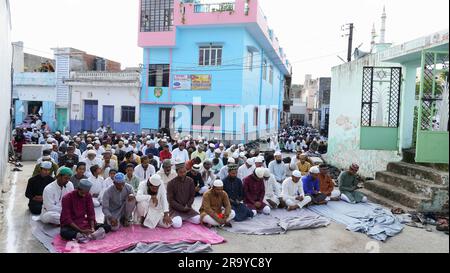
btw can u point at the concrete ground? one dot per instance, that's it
(16, 237)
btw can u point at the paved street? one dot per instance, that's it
(15, 234)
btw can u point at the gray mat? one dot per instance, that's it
(371, 219)
(279, 222)
(198, 247)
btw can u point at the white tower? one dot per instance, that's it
(374, 35)
(383, 27)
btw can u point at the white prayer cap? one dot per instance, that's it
(260, 172)
(250, 161)
(218, 184)
(235, 155)
(212, 145)
(259, 159)
(221, 145)
(46, 165)
(125, 142)
(231, 161)
(89, 146)
(314, 170)
(148, 143)
(277, 153)
(156, 180)
(50, 140)
(47, 147)
(85, 133)
(97, 142)
(92, 152)
(77, 139)
(148, 137)
(217, 151)
(196, 167)
(266, 173)
(297, 174)
(240, 145)
(242, 154)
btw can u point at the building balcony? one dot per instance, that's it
(220, 7)
(104, 79)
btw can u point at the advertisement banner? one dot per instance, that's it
(182, 82)
(201, 82)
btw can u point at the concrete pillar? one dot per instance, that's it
(408, 102)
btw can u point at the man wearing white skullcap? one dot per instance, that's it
(254, 192)
(277, 167)
(292, 192)
(210, 152)
(272, 190)
(216, 208)
(223, 173)
(247, 169)
(152, 206)
(259, 162)
(36, 185)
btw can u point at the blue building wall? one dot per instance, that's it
(232, 82)
(36, 80)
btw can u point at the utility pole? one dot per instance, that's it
(349, 27)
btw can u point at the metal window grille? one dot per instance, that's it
(159, 75)
(156, 15)
(381, 89)
(128, 114)
(210, 55)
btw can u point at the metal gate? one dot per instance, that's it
(380, 108)
(432, 127)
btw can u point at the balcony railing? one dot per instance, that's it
(221, 7)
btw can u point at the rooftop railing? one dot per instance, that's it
(219, 7)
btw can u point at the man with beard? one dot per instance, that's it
(216, 208)
(181, 195)
(152, 206)
(277, 168)
(195, 174)
(235, 190)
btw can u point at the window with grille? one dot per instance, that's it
(380, 105)
(128, 114)
(264, 70)
(158, 75)
(271, 74)
(250, 60)
(210, 55)
(156, 15)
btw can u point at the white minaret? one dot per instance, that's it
(374, 35)
(383, 27)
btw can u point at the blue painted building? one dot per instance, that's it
(213, 70)
(34, 93)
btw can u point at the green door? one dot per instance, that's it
(432, 127)
(380, 108)
(61, 119)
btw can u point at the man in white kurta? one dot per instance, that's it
(180, 154)
(272, 190)
(145, 170)
(90, 161)
(152, 208)
(292, 192)
(247, 169)
(98, 185)
(53, 194)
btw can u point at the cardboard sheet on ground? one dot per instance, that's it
(198, 236)
(375, 221)
(278, 222)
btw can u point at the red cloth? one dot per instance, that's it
(78, 210)
(163, 155)
(254, 191)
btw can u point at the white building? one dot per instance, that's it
(104, 98)
(5, 84)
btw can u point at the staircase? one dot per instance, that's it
(411, 187)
